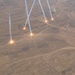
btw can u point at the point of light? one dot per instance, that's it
(46, 21)
(52, 19)
(24, 28)
(31, 34)
(11, 42)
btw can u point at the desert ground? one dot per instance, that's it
(50, 51)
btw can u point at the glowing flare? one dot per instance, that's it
(31, 34)
(46, 21)
(24, 28)
(11, 42)
(52, 19)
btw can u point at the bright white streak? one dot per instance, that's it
(42, 9)
(49, 9)
(10, 27)
(30, 12)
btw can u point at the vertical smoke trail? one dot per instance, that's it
(27, 15)
(42, 9)
(30, 12)
(49, 9)
(10, 27)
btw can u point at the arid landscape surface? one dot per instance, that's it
(50, 51)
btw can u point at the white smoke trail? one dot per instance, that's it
(27, 16)
(10, 27)
(50, 10)
(30, 12)
(42, 9)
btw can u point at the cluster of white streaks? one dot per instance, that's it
(28, 13)
(41, 9)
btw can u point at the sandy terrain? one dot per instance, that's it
(51, 51)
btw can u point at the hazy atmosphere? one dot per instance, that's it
(37, 37)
